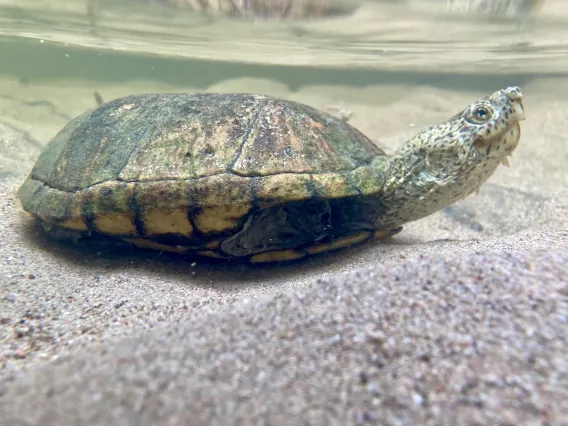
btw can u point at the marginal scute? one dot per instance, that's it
(339, 243)
(115, 223)
(285, 187)
(381, 234)
(277, 256)
(159, 222)
(221, 190)
(219, 218)
(163, 195)
(210, 253)
(30, 195)
(349, 240)
(75, 222)
(317, 249)
(332, 185)
(370, 180)
(51, 205)
(152, 245)
(109, 197)
(213, 244)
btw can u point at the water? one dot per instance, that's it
(57, 53)
(379, 35)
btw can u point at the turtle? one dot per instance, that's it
(253, 177)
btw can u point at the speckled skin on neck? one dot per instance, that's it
(449, 161)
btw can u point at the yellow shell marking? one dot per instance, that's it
(381, 234)
(219, 218)
(213, 244)
(277, 256)
(147, 244)
(339, 243)
(209, 253)
(75, 223)
(116, 224)
(158, 222)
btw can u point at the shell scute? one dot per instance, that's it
(109, 197)
(115, 223)
(284, 187)
(369, 180)
(332, 185)
(200, 138)
(163, 194)
(292, 138)
(221, 190)
(98, 144)
(108, 208)
(161, 222)
(220, 218)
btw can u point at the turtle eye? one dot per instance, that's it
(481, 114)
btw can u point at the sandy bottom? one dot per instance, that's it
(460, 319)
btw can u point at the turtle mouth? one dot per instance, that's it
(502, 145)
(511, 139)
(508, 142)
(510, 102)
(517, 111)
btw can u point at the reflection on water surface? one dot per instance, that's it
(428, 34)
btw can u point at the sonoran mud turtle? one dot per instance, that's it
(254, 177)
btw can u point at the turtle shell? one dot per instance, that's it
(223, 175)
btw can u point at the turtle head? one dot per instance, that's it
(449, 161)
(488, 130)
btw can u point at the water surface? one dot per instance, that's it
(57, 53)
